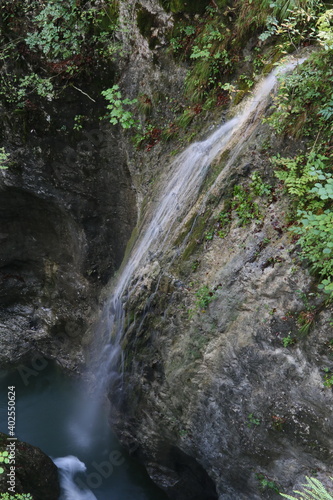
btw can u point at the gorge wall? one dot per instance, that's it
(217, 404)
(208, 374)
(68, 207)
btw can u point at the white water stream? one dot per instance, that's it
(177, 194)
(69, 466)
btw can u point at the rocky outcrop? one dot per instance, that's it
(35, 473)
(215, 380)
(67, 210)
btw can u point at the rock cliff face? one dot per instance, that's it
(67, 210)
(218, 404)
(35, 473)
(211, 380)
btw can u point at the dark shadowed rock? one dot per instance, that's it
(35, 473)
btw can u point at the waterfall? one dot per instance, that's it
(178, 192)
(68, 468)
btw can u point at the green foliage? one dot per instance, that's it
(211, 45)
(204, 296)
(303, 106)
(328, 377)
(311, 186)
(299, 175)
(244, 206)
(279, 17)
(266, 483)
(209, 235)
(252, 420)
(326, 286)
(316, 239)
(323, 191)
(288, 341)
(247, 81)
(212, 61)
(313, 490)
(117, 108)
(17, 496)
(195, 265)
(296, 25)
(3, 158)
(18, 90)
(78, 122)
(185, 119)
(223, 221)
(325, 29)
(205, 44)
(305, 320)
(259, 187)
(3, 460)
(144, 104)
(65, 38)
(29, 84)
(59, 30)
(278, 423)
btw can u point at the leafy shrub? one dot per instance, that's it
(3, 460)
(300, 174)
(316, 240)
(304, 107)
(204, 297)
(292, 24)
(62, 29)
(59, 30)
(325, 29)
(244, 206)
(328, 377)
(259, 187)
(266, 483)
(315, 217)
(117, 108)
(304, 104)
(288, 341)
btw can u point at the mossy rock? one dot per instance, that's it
(109, 16)
(35, 473)
(146, 22)
(188, 6)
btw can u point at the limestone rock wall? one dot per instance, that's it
(68, 207)
(216, 381)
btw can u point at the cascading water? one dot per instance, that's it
(177, 192)
(69, 466)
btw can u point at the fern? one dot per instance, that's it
(313, 490)
(299, 175)
(327, 111)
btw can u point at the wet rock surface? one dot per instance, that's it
(219, 381)
(35, 473)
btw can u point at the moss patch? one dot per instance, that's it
(147, 22)
(189, 6)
